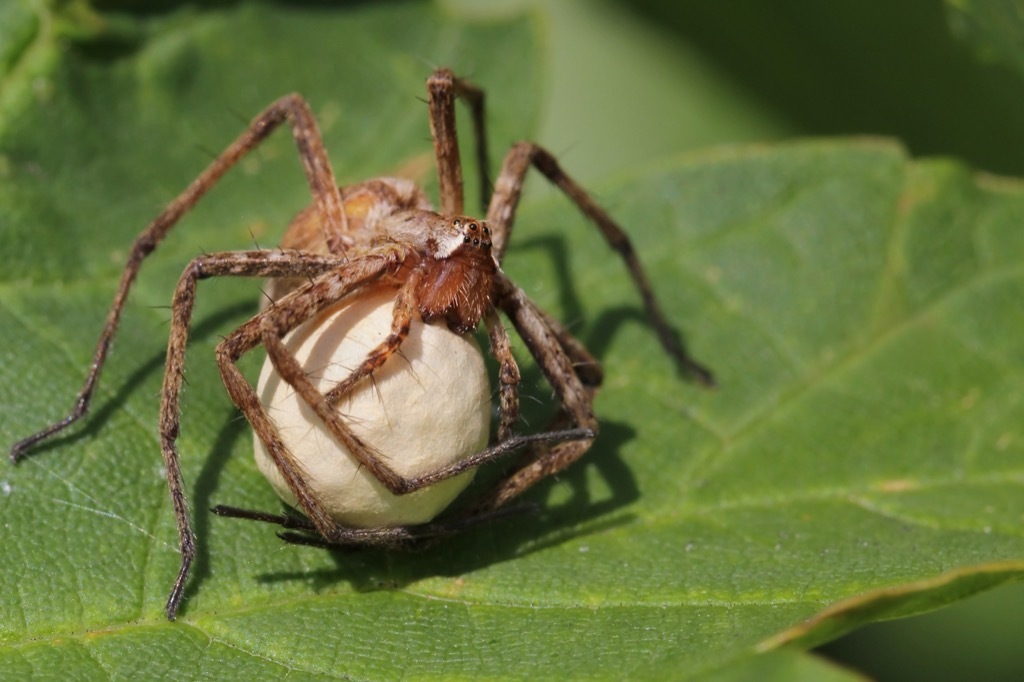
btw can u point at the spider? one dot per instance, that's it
(444, 267)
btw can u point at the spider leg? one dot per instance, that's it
(508, 374)
(235, 264)
(501, 215)
(291, 108)
(275, 323)
(288, 313)
(443, 87)
(363, 537)
(576, 397)
(269, 328)
(588, 369)
(405, 309)
(290, 521)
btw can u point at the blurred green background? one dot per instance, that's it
(634, 81)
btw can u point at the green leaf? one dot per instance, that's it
(994, 27)
(784, 665)
(863, 457)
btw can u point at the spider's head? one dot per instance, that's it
(458, 237)
(458, 273)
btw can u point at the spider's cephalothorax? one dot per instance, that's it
(442, 267)
(457, 279)
(451, 255)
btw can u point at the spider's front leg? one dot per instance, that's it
(229, 264)
(326, 198)
(443, 87)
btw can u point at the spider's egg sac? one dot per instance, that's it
(427, 407)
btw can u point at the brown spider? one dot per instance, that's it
(442, 266)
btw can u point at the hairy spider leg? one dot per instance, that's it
(272, 325)
(508, 374)
(401, 320)
(396, 536)
(569, 367)
(326, 197)
(443, 87)
(501, 216)
(576, 398)
(260, 263)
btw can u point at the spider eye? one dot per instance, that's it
(472, 227)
